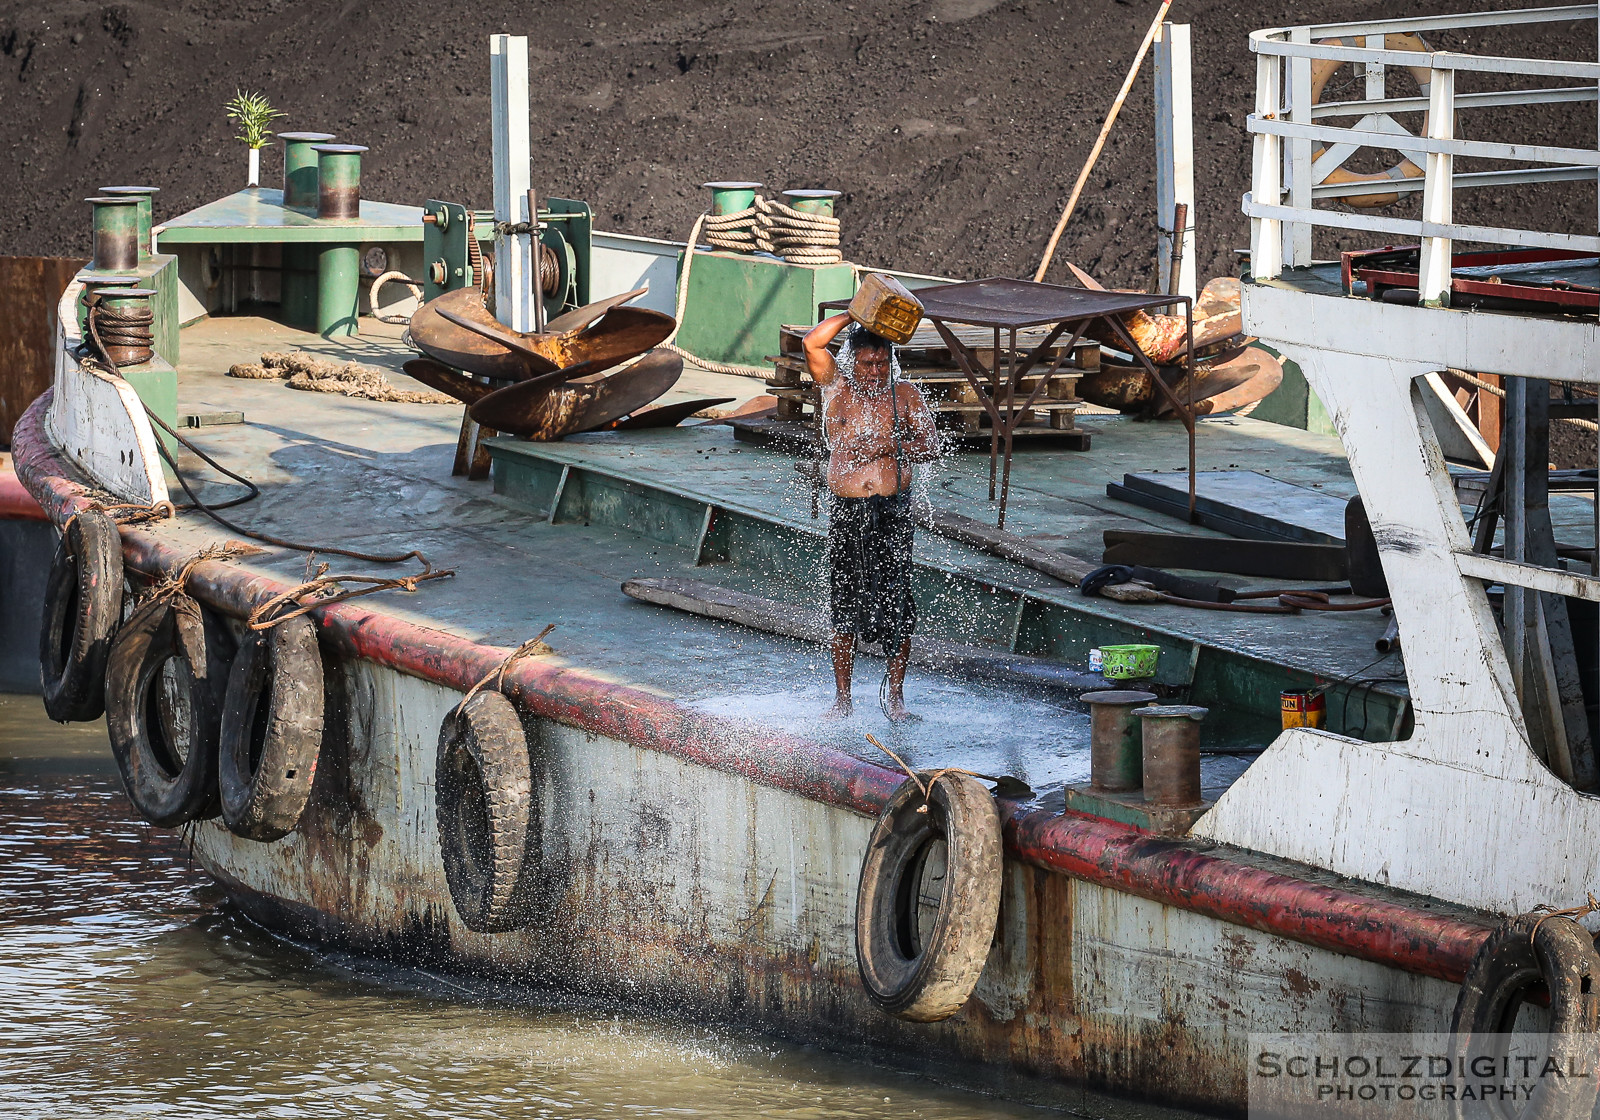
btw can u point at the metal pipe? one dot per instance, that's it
(732, 196)
(146, 213)
(300, 167)
(1171, 753)
(116, 233)
(1116, 763)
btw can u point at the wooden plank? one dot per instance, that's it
(809, 624)
(1276, 559)
(31, 288)
(1007, 546)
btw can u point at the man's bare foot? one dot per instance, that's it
(842, 709)
(895, 709)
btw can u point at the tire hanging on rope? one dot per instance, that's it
(483, 791)
(929, 897)
(1526, 956)
(162, 712)
(82, 607)
(271, 730)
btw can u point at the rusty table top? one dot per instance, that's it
(1015, 304)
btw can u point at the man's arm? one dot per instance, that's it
(923, 446)
(819, 362)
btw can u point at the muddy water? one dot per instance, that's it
(129, 987)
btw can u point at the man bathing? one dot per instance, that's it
(876, 428)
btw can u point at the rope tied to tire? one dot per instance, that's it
(927, 787)
(529, 648)
(325, 590)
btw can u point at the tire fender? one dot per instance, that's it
(163, 724)
(82, 607)
(923, 931)
(271, 731)
(483, 790)
(1524, 953)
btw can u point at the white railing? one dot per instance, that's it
(1296, 157)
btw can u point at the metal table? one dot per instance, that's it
(1002, 304)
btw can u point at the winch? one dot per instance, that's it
(456, 258)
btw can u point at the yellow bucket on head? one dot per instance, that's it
(884, 306)
(1303, 707)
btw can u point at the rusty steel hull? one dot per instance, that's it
(691, 864)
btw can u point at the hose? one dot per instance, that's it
(392, 276)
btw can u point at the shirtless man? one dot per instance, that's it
(876, 428)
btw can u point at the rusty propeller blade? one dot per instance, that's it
(445, 340)
(437, 375)
(549, 412)
(622, 333)
(666, 415)
(589, 312)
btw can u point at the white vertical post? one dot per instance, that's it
(513, 253)
(1297, 235)
(1266, 234)
(1375, 84)
(1433, 281)
(1175, 152)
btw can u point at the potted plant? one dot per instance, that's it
(254, 116)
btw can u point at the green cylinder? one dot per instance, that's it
(300, 167)
(338, 289)
(122, 300)
(299, 285)
(338, 180)
(147, 212)
(92, 282)
(812, 201)
(731, 197)
(116, 233)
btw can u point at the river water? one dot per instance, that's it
(129, 987)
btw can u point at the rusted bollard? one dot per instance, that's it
(116, 233)
(1116, 762)
(1171, 752)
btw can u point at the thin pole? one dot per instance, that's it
(1100, 141)
(995, 425)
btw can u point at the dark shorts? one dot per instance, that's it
(869, 562)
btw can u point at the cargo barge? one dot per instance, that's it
(663, 820)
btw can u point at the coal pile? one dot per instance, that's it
(954, 127)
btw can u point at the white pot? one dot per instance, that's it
(255, 168)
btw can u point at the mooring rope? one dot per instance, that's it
(132, 329)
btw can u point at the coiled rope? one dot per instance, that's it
(132, 329)
(771, 227)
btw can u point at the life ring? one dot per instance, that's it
(1323, 69)
(929, 898)
(271, 731)
(483, 791)
(1524, 954)
(162, 712)
(82, 606)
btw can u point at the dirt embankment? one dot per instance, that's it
(954, 127)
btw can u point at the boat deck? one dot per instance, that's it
(374, 476)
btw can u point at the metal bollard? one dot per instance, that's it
(92, 283)
(731, 197)
(338, 180)
(1171, 735)
(116, 233)
(1116, 763)
(812, 201)
(122, 349)
(147, 209)
(300, 167)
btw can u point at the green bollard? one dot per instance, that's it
(338, 180)
(116, 233)
(92, 282)
(812, 201)
(338, 289)
(147, 213)
(731, 197)
(300, 167)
